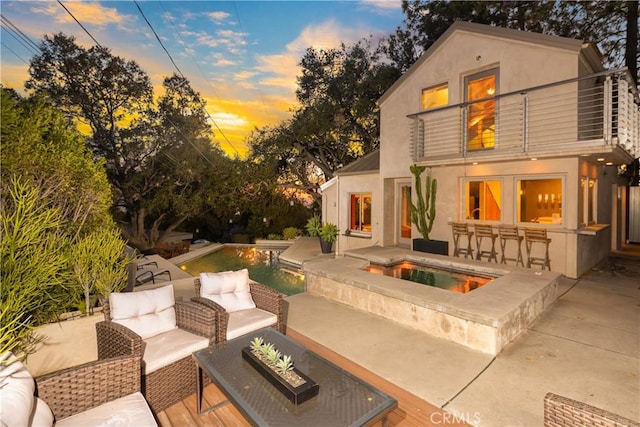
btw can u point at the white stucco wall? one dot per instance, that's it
(521, 64)
(337, 199)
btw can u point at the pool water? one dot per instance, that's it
(446, 279)
(262, 264)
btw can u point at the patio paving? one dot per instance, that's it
(586, 346)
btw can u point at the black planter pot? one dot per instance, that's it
(439, 247)
(296, 395)
(326, 246)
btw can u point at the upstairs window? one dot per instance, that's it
(360, 212)
(435, 96)
(480, 92)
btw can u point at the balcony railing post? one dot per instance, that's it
(607, 108)
(463, 129)
(525, 121)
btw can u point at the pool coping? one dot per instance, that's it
(486, 319)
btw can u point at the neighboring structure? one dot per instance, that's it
(518, 128)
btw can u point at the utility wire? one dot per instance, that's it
(81, 26)
(21, 37)
(10, 50)
(97, 43)
(183, 76)
(198, 67)
(158, 38)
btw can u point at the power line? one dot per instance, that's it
(180, 72)
(10, 50)
(183, 76)
(81, 26)
(21, 37)
(158, 38)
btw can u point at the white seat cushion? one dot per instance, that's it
(16, 392)
(164, 349)
(131, 410)
(147, 313)
(42, 415)
(230, 289)
(246, 321)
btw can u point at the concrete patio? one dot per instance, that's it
(585, 346)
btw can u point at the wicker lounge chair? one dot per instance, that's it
(94, 393)
(267, 303)
(162, 385)
(562, 411)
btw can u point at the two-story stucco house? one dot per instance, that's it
(518, 128)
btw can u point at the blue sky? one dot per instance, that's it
(240, 55)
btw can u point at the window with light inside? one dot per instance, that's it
(434, 97)
(540, 200)
(483, 200)
(480, 92)
(587, 201)
(360, 212)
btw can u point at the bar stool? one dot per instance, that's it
(506, 233)
(482, 231)
(537, 235)
(461, 229)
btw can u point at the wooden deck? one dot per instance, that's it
(411, 411)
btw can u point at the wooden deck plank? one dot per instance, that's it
(412, 411)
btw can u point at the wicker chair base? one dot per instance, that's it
(171, 384)
(560, 411)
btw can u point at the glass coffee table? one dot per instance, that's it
(343, 399)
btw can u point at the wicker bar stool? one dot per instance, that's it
(537, 235)
(461, 229)
(506, 233)
(482, 231)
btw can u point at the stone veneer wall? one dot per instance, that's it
(483, 334)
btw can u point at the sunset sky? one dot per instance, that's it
(241, 56)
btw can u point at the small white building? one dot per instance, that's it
(518, 128)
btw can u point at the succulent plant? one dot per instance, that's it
(284, 365)
(274, 355)
(257, 343)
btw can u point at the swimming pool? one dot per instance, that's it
(262, 264)
(455, 281)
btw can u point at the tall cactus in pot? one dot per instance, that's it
(424, 213)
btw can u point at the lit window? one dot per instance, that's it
(434, 97)
(483, 200)
(587, 205)
(360, 213)
(480, 92)
(405, 213)
(540, 200)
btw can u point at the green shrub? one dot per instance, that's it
(33, 265)
(98, 263)
(291, 233)
(274, 236)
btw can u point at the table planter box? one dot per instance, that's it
(296, 395)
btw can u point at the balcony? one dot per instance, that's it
(595, 114)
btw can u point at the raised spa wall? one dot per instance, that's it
(485, 319)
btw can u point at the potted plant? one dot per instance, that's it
(424, 213)
(314, 224)
(328, 235)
